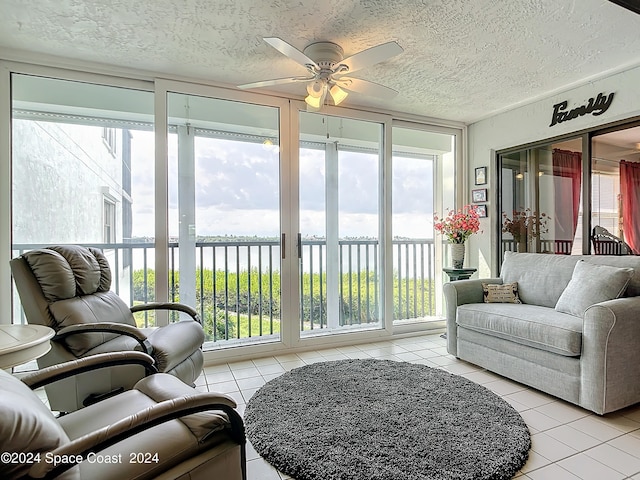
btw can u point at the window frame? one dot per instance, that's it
(289, 128)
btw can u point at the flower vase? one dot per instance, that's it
(522, 245)
(457, 255)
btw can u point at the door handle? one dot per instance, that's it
(283, 245)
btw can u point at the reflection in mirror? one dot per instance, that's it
(541, 199)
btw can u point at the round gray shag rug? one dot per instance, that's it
(384, 420)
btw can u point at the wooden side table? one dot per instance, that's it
(459, 273)
(22, 343)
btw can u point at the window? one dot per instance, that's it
(224, 216)
(615, 183)
(339, 267)
(418, 155)
(540, 199)
(67, 188)
(109, 216)
(109, 137)
(235, 190)
(542, 192)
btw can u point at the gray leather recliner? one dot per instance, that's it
(161, 429)
(67, 288)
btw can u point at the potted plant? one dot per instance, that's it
(523, 226)
(458, 226)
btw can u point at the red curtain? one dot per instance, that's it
(567, 164)
(630, 193)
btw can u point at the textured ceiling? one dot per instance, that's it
(463, 59)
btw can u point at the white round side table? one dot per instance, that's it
(22, 343)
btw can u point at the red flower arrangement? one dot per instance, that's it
(458, 225)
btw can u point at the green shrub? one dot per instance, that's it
(250, 298)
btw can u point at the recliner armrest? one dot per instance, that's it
(157, 414)
(175, 342)
(107, 327)
(178, 307)
(64, 370)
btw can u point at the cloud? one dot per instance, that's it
(412, 185)
(236, 176)
(237, 190)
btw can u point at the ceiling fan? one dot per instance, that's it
(328, 69)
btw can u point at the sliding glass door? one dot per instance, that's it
(224, 215)
(420, 159)
(339, 200)
(615, 192)
(556, 200)
(277, 225)
(541, 200)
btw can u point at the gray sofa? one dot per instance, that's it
(566, 337)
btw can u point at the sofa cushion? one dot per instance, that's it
(541, 278)
(500, 293)
(591, 284)
(624, 261)
(532, 325)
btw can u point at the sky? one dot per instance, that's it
(238, 184)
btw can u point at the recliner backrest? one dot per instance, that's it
(69, 285)
(27, 427)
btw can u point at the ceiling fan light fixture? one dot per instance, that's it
(316, 88)
(337, 94)
(314, 102)
(326, 66)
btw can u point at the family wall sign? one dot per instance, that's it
(595, 106)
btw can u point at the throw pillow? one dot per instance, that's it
(591, 284)
(505, 293)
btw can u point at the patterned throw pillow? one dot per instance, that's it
(505, 293)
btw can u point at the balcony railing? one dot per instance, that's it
(237, 283)
(560, 247)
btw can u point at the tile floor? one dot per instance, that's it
(567, 442)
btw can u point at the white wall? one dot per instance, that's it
(530, 123)
(59, 173)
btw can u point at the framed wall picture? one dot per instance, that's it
(479, 195)
(481, 176)
(482, 210)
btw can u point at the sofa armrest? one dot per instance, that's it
(610, 360)
(459, 293)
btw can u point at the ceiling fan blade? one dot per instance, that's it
(276, 81)
(290, 51)
(371, 56)
(365, 87)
